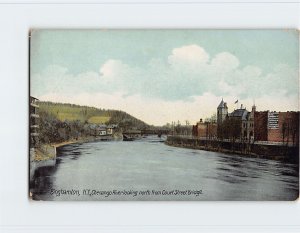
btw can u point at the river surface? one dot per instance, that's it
(147, 169)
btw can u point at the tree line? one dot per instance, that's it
(61, 122)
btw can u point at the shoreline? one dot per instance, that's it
(271, 152)
(84, 140)
(212, 149)
(74, 141)
(45, 155)
(48, 151)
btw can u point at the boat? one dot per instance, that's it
(127, 138)
(131, 135)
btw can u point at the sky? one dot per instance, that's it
(160, 76)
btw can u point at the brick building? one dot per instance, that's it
(277, 127)
(261, 126)
(251, 125)
(205, 129)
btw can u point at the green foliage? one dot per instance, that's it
(230, 129)
(61, 122)
(126, 121)
(72, 112)
(98, 119)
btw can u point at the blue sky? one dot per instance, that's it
(186, 70)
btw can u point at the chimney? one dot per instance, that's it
(241, 106)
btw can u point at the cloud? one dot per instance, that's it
(185, 79)
(159, 112)
(225, 62)
(188, 71)
(113, 69)
(152, 111)
(250, 82)
(190, 56)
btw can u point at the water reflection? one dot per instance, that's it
(44, 181)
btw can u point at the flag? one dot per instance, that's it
(236, 101)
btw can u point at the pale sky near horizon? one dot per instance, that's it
(161, 76)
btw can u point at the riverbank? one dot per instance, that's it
(82, 140)
(266, 151)
(45, 154)
(151, 165)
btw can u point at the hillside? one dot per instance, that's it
(64, 122)
(91, 115)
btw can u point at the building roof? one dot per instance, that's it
(222, 104)
(31, 97)
(242, 113)
(92, 126)
(112, 126)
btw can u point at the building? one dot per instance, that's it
(238, 124)
(111, 128)
(222, 112)
(266, 126)
(101, 130)
(205, 129)
(261, 126)
(33, 122)
(277, 127)
(246, 120)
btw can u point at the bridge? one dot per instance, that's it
(155, 131)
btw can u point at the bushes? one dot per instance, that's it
(53, 130)
(61, 122)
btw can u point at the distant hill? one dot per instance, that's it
(91, 115)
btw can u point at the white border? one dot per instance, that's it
(18, 214)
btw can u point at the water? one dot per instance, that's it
(150, 170)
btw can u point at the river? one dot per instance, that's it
(147, 169)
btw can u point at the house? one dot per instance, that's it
(111, 128)
(246, 120)
(101, 130)
(93, 129)
(205, 129)
(238, 124)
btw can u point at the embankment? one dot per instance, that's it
(82, 140)
(267, 151)
(45, 155)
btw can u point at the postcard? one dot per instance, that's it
(164, 115)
